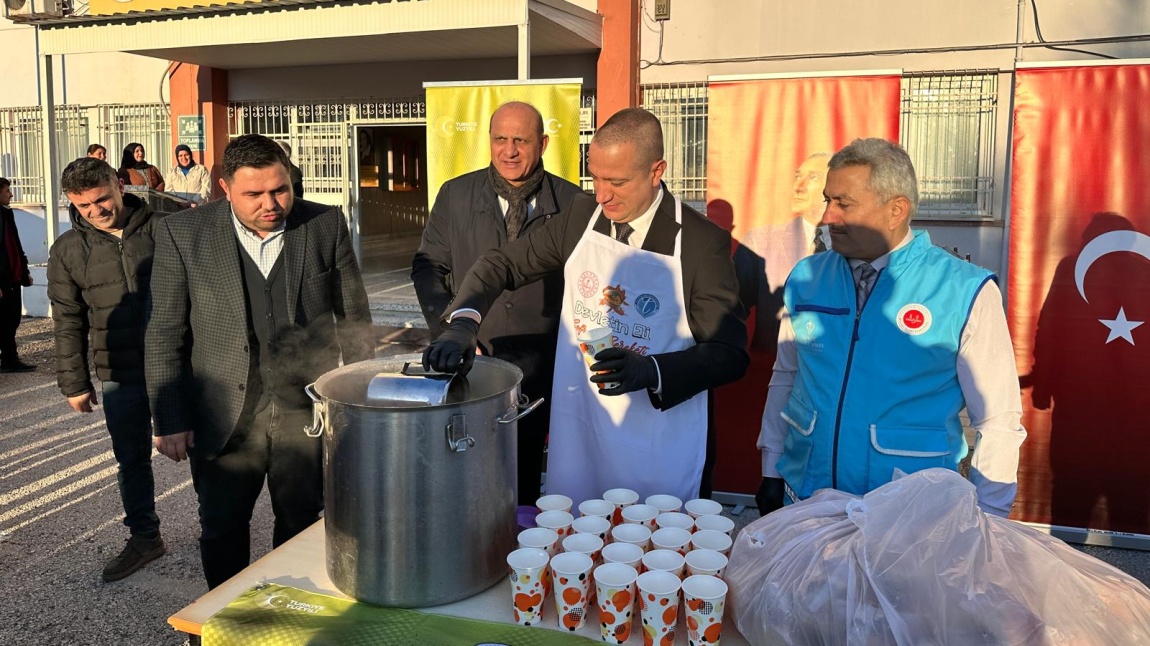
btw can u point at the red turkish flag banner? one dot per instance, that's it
(1079, 294)
(768, 144)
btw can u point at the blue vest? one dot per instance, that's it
(878, 391)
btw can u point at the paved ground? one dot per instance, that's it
(60, 521)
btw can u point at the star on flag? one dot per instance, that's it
(1120, 327)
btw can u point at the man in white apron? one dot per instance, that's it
(660, 276)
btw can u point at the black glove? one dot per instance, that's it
(627, 368)
(770, 495)
(454, 350)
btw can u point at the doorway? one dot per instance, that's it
(391, 193)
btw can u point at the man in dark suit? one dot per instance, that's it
(484, 210)
(659, 275)
(253, 297)
(13, 275)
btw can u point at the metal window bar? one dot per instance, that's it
(682, 109)
(146, 124)
(948, 128)
(21, 135)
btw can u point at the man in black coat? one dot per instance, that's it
(660, 276)
(253, 298)
(13, 275)
(98, 277)
(484, 210)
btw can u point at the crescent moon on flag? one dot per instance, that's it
(1110, 242)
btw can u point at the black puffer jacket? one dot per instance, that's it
(98, 282)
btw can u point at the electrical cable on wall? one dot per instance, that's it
(1038, 32)
(644, 64)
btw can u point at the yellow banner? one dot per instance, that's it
(457, 128)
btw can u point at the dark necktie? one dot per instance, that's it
(864, 282)
(623, 231)
(819, 245)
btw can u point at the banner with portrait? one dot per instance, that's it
(1079, 293)
(458, 115)
(768, 142)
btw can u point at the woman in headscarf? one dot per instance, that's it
(137, 172)
(98, 151)
(188, 179)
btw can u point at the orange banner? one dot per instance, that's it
(768, 143)
(1079, 294)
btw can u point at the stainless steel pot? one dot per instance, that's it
(420, 500)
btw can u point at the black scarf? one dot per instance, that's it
(517, 197)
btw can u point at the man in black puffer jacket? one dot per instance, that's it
(98, 281)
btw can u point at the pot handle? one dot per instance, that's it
(521, 409)
(318, 412)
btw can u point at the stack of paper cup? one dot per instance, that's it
(704, 598)
(527, 566)
(571, 576)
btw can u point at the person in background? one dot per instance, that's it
(97, 151)
(98, 277)
(136, 171)
(13, 275)
(484, 210)
(293, 171)
(885, 339)
(253, 298)
(189, 180)
(636, 259)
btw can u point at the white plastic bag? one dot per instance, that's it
(916, 562)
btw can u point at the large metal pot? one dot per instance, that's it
(420, 499)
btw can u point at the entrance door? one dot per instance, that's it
(390, 192)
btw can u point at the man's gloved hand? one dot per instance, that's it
(454, 350)
(627, 368)
(770, 495)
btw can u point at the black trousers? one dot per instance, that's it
(272, 445)
(11, 308)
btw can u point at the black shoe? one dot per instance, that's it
(16, 366)
(137, 552)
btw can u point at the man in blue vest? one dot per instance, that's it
(886, 340)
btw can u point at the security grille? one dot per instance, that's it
(113, 126)
(948, 128)
(682, 109)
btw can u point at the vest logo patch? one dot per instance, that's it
(647, 305)
(913, 319)
(588, 284)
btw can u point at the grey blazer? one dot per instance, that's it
(196, 353)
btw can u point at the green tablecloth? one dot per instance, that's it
(275, 615)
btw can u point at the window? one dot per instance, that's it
(948, 128)
(682, 109)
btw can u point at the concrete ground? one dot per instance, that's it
(60, 520)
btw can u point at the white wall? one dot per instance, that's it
(81, 79)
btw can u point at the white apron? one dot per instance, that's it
(599, 443)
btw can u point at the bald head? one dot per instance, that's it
(637, 127)
(519, 110)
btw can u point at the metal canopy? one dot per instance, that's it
(321, 32)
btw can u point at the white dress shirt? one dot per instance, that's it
(263, 251)
(987, 376)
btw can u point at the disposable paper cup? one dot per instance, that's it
(588, 544)
(664, 503)
(615, 591)
(625, 553)
(559, 521)
(671, 538)
(552, 502)
(596, 507)
(634, 534)
(715, 523)
(704, 598)
(528, 568)
(709, 539)
(675, 519)
(571, 576)
(641, 515)
(540, 538)
(658, 594)
(664, 561)
(706, 562)
(594, 341)
(701, 507)
(592, 525)
(620, 498)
